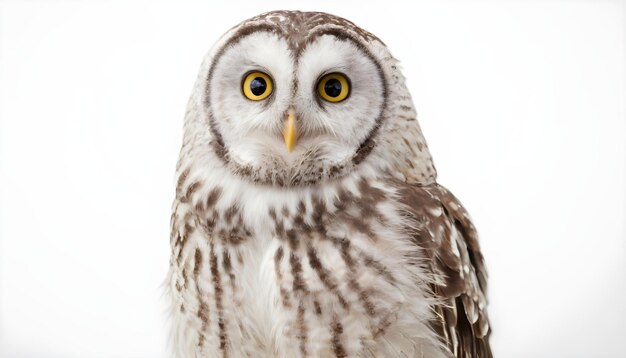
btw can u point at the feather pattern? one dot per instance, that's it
(444, 229)
(346, 247)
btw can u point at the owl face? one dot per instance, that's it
(292, 108)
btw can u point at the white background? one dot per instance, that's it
(522, 104)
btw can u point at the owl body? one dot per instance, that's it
(324, 271)
(340, 245)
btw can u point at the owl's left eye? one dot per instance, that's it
(257, 86)
(334, 87)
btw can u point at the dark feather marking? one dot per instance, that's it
(317, 307)
(203, 308)
(367, 304)
(199, 207)
(319, 209)
(228, 268)
(191, 189)
(379, 267)
(299, 286)
(344, 199)
(285, 212)
(181, 181)
(300, 224)
(301, 208)
(210, 221)
(325, 276)
(296, 272)
(284, 295)
(367, 203)
(185, 278)
(217, 287)
(337, 331)
(189, 229)
(359, 224)
(213, 197)
(385, 321)
(302, 329)
(181, 237)
(178, 245)
(279, 228)
(344, 246)
(292, 239)
(229, 214)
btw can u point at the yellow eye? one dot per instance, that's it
(334, 87)
(257, 86)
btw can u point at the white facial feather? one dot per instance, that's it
(237, 116)
(329, 134)
(351, 120)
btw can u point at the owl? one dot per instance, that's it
(307, 220)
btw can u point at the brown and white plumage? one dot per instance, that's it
(345, 246)
(446, 232)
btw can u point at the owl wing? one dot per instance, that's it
(442, 227)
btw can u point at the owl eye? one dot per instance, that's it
(334, 87)
(257, 86)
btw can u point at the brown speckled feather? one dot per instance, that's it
(442, 227)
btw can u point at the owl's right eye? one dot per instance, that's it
(257, 86)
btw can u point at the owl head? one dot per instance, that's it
(292, 98)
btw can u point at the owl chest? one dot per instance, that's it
(313, 279)
(305, 288)
(298, 300)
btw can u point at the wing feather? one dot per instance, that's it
(442, 227)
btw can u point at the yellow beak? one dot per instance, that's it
(289, 132)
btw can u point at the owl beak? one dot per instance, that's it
(289, 132)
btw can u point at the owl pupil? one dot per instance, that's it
(258, 86)
(332, 87)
